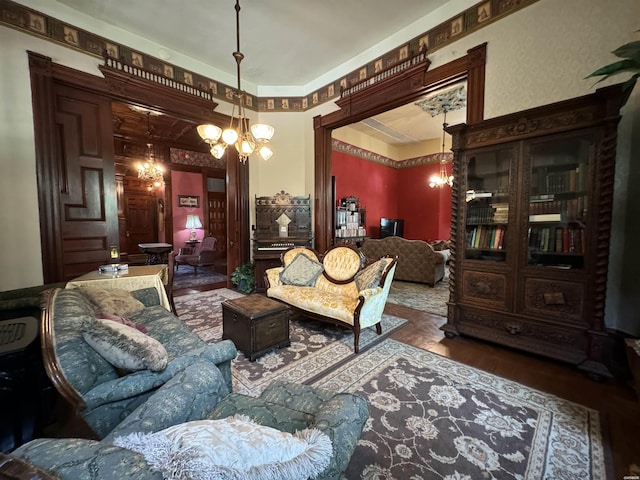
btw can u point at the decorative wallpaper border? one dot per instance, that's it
(30, 21)
(198, 159)
(348, 149)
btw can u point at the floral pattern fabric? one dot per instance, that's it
(432, 417)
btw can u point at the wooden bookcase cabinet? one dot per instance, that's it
(531, 222)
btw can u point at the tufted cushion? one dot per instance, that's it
(342, 263)
(370, 276)
(114, 301)
(302, 271)
(125, 347)
(233, 447)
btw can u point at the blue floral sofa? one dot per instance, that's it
(194, 385)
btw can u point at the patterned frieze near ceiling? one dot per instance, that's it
(30, 21)
(354, 151)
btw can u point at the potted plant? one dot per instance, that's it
(242, 277)
(630, 55)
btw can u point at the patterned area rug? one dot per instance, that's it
(432, 417)
(315, 346)
(185, 278)
(420, 296)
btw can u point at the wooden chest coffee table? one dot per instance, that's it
(256, 324)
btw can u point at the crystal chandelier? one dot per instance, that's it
(246, 140)
(443, 178)
(149, 169)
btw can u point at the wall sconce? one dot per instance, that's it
(193, 222)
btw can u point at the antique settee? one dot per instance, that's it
(194, 385)
(417, 260)
(334, 287)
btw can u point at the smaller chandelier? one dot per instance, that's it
(443, 178)
(246, 140)
(149, 169)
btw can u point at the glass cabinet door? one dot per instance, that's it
(558, 200)
(487, 205)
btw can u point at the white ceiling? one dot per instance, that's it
(285, 42)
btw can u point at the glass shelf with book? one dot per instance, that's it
(487, 205)
(558, 201)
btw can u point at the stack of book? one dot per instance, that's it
(113, 267)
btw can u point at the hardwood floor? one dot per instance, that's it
(617, 403)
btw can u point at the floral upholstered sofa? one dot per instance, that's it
(417, 260)
(93, 386)
(191, 389)
(334, 287)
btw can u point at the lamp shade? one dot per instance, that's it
(209, 133)
(262, 131)
(193, 221)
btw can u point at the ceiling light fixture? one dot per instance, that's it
(443, 178)
(149, 169)
(246, 140)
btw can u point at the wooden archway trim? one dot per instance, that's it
(393, 92)
(45, 77)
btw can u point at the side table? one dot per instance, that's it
(256, 324)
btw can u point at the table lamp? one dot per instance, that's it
(193, 222)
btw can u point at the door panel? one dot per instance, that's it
(86, 181)
(141, 224)
(218, 221)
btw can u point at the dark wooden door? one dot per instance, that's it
(141, 220)
(85, 188)
(218, 222)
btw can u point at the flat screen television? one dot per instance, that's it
(391, 227)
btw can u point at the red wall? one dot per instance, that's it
(185, 183)
(395, 193)
(374, 184)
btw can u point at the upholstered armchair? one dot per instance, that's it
(201, 392)
(201, 256)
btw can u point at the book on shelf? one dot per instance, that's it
(556, 240)
(486, 237)
(545, 217)
(113, 267)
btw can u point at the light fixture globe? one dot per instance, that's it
(218, 150)
(209, 133)
(265, 152)
(262, 131)
(229, 136)
(246, 147)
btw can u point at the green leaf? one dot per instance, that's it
(616, 68)
(630, 50)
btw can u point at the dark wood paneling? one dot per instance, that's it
(87, 191)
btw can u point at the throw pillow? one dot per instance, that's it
(302, 271)
(370, 276)
(125, 347)
(122, 320)
(234, 447)
(115, 301)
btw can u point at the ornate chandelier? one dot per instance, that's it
(443, 178)
(245, 139)
(149, 169)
